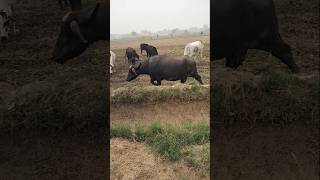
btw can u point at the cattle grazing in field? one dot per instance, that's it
(163, 67)
(194, 50)
(6, 18)
(151, 51)
(131, 55)
(112, 62)
(73, 4)
(143, 46)
(241, 25)
(79, 29)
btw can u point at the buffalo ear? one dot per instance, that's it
(89, 15)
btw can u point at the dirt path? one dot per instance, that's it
(265, 152)
(167, 112)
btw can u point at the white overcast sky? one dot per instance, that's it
(154, 15)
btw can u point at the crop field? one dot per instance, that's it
(139, 108)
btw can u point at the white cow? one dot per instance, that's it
(112, 62)
(194, 50)
(6, 8)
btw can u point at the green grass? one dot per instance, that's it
(165, 140)
(275, 81)
(144, 94)
(198, 156)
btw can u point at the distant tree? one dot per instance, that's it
(133, 33)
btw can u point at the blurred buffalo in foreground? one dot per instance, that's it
(79, 29)
(241, 25)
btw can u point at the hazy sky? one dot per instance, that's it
(155, 15)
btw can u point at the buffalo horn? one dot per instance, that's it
(76, 30)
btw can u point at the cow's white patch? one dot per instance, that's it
(194, 50)
(112, 62)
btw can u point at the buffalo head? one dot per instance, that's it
(76, 33)
(133, 71)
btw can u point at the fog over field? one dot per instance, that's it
(128, 16)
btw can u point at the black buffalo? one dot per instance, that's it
(131, 55)
(79, 29)
(151, 51)
(164, 67)
(143, 46)
(240, 25)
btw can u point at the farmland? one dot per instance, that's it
(138, 106)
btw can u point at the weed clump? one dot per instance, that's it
(167, 141)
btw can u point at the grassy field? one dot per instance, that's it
(171, 120)
(169, 46)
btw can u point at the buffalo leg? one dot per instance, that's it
(283, 51)
(197, 77)
(153, 80)
(184, 79)
(159, 82)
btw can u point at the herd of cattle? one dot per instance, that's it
(162, 67)
(237, 26)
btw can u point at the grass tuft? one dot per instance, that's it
(166, 140)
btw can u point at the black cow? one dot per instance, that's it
(143, 46)
(165, 67)
(79, 29)
(131, 55)
(240, 25)
(151, 51)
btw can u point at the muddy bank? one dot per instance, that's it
(166, 112)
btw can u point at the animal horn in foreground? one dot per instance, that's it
(133, 70)
(74, 26)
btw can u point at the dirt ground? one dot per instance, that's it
(53, 155)
(173, 113)
(265, 152)
(136, 161)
